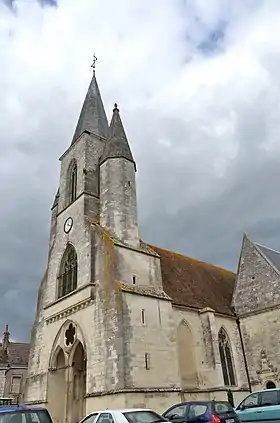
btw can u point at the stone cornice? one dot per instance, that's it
(72, 293)
(156, 390)
(69, 310)
(255, 312)
(144, 291)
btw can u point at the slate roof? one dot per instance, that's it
(117, 143)
(272, 255)
(196, 284)
(18, 354)
(92, 117)
(56, 198)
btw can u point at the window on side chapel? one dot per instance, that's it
(15, 385)
(72, 182)
(226, 358)
(67, 279)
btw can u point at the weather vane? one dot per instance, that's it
(93, 63)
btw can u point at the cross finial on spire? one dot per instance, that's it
(93, 63)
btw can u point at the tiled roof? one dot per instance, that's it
(194, 283)
(18, 354)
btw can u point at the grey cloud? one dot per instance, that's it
(208, 159)
(12, 4)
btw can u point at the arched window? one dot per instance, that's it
(67, 280)
(226, 358)
(72, 182)
(270, 385)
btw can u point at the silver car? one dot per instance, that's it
(128, 415)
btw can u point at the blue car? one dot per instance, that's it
(260, 406)
(202, 412)
(23, 413)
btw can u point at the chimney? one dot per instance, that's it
(6, 339)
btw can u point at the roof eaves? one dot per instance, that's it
(264, 256)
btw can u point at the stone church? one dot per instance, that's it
(121, 323)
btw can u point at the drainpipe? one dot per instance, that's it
(243, 351)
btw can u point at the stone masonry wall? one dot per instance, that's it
(151, 342)
(137, 268)
(118, 205)
(258, 284)
(261, 333)
(207, 355)
(89, 319)
(86, 151)
(2, 381)
(80, 238)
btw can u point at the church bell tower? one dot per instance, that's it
(85, 332)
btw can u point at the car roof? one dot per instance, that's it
(120, 410)
(18, 408)
(199, 402)
(265, 390)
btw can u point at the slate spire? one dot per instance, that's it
(117, 143)
(92, 117)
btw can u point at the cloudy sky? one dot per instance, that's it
(198, 86)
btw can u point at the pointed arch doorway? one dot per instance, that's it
(67, 374)
(57, 387)
(76, 400)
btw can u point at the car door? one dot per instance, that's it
(270, 406)
(197, 413)
(249, 409)
(177, 413)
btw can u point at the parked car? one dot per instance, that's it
(202, 412)
(23, 414)
(130, 415)
(260, 406)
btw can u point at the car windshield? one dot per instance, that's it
(223, 407)
(143, 417)
(41, 416)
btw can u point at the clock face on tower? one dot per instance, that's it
(68, 225)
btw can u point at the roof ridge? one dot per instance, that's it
(267, 248)
(266, 258)
(204, 263)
